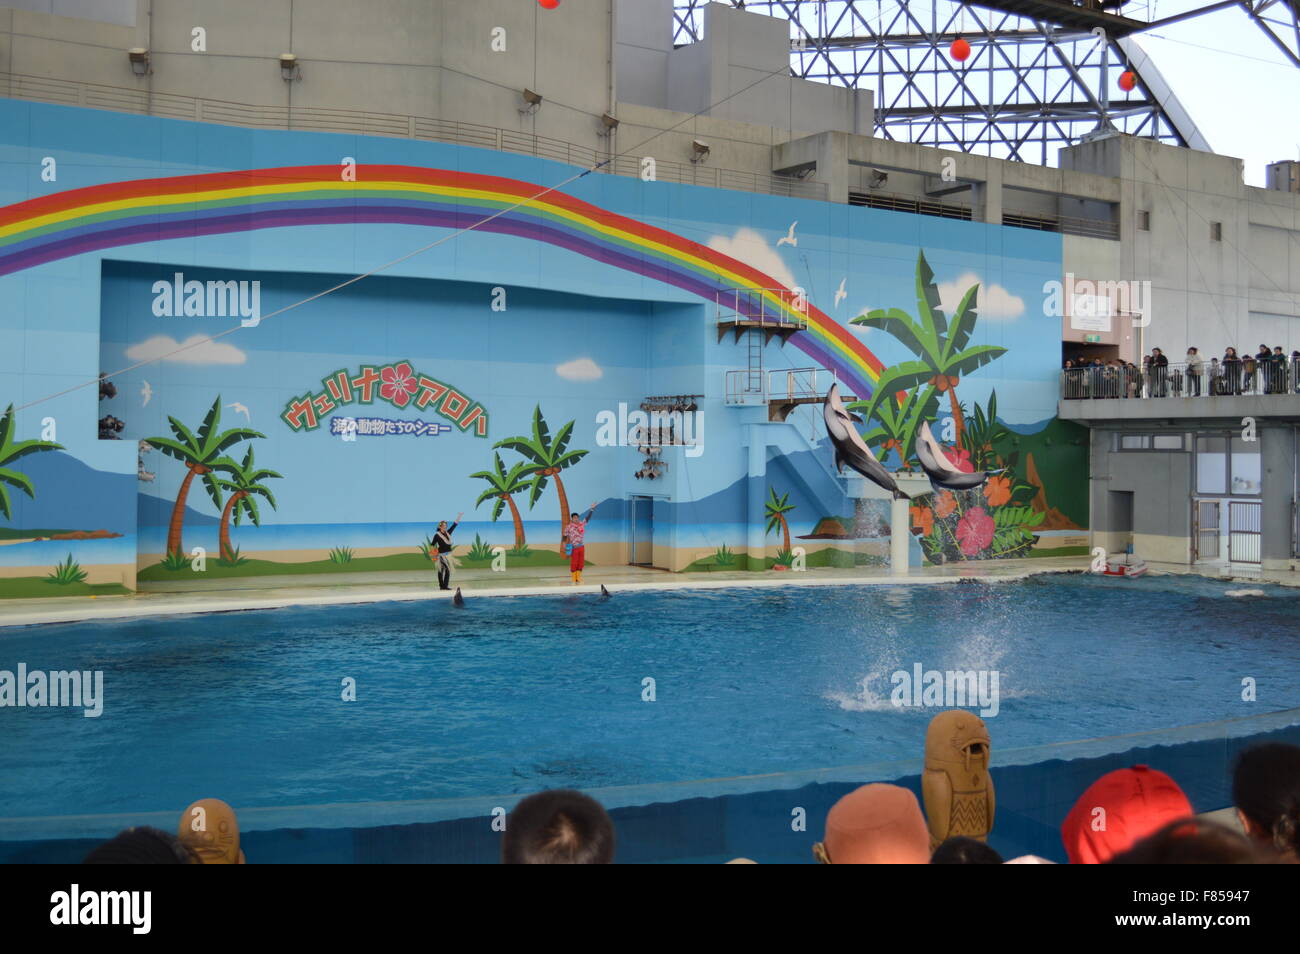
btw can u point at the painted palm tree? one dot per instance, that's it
(544, 459)
(775, 511)
(244, 481)
(200, 453)
(898, 421)
(940, 347)
(12, 450)
(503, 486)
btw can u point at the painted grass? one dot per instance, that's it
(157, 573)
(37, 587)
(830, 556)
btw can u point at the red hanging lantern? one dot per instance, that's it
(1127, 80)
(959, 50)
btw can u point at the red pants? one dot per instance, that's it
(577, 558)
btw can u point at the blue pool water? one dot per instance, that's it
(512, 695)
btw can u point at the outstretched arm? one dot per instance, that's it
(590, 510)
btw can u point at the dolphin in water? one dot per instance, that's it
(849, 448)
(943, 475)
(457, 599)
(604, 593)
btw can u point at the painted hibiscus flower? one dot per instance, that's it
(974, 531)
(997, 491)
(945, 504)
(398, 384)
(922, 520)
(959, 457)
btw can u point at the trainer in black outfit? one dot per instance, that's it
(442, 543)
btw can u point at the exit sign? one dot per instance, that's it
(1092, 339)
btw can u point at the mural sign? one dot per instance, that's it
(397, 384)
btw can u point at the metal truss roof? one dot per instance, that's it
(1041, 74)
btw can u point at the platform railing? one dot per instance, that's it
(780, 385)
(783, 307)
(1220, 379)
(364, 123)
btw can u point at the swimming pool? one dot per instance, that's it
(510, 695)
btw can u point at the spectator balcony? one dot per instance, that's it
(1217, 392)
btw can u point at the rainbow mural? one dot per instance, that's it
(117, 214)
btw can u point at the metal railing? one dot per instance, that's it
(749, 305)
(1218, 379)
(777, 386)
(358, 122)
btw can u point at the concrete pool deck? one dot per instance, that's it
(253, 593)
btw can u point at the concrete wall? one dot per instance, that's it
(1161, 485)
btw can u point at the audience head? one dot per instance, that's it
(1118, 810)
(1191, 841)
(141, 846)
(1266, 791)
(558, 827)
(210, 830)
(875, 825)
(960, 850)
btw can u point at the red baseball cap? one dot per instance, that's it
(1119, 810)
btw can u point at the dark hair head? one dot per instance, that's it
(1266, 789)
(1191, 841)
(558, 827)
(960, 850)
(142, 846)
(573, 516)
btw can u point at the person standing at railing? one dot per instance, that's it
(1231, 372)
(1295, 371)
(1216, 377)
(1195, 367)
(1277, 372)
(1159, 372)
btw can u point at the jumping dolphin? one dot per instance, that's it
(943, 475)
(457, 599)
(849, 448)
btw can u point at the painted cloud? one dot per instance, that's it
(579, 369)
(198, 349)
(993, 301)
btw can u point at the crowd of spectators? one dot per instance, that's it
(1148, 820)
(1267, 371)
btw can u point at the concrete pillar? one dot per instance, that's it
(1277, 465)
(986, 196)
(756, 494)
(900, 535)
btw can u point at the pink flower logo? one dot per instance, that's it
(974, 531)
(398, 384)
(959, 457)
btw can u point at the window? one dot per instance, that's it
(1216, 231)
(1245, 467)
(1144, 220)
(1151, 442)
(1211, 465)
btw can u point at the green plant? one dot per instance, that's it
(341, 555)
(724, 557)
(522, 550)
(202, 455)
(244, 481)
(230, 557)
(175, 560)
(427, 548)
(69, 571)
(11, 450)
(503, 486)
(897, 423)
(982, 432)
(784, 557)
(775, 510)
(939, 345)
(546, 458)
(479, 550)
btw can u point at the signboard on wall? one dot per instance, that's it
(396, 384)
(1090, 313)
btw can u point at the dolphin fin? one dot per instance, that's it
(604, 592)
(457, 599)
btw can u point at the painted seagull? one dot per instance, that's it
(789, 238)
(943, 475)
(849, 448)
(840, 293)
